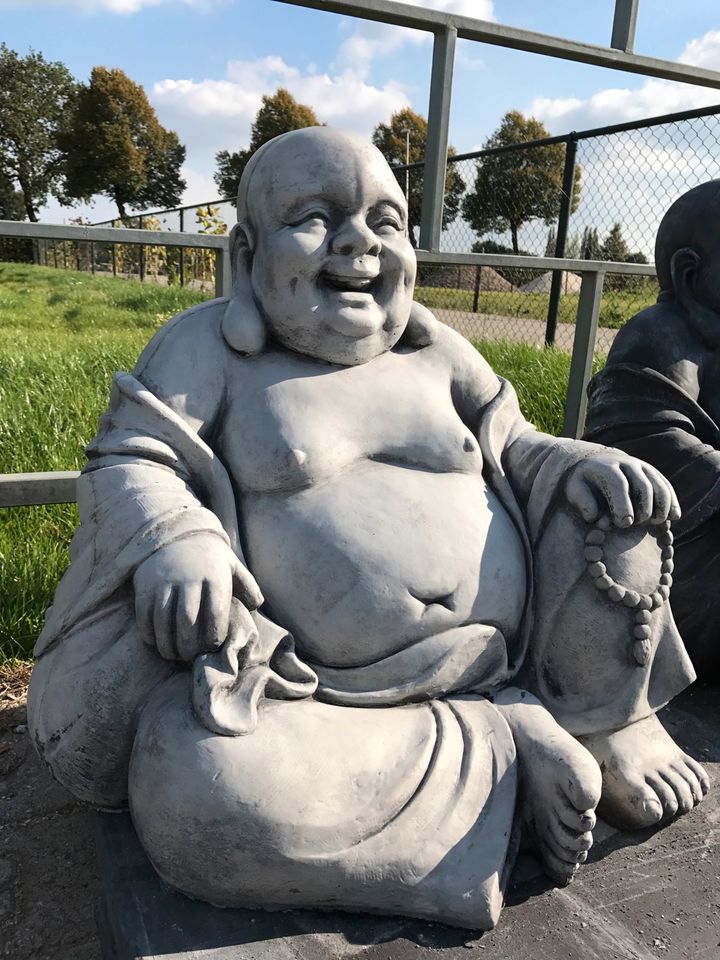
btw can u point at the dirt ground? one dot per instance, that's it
(653, 895)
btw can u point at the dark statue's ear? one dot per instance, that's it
(684, 266)
(422, 327)
(243, 326)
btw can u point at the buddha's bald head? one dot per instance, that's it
(288, 163)
(691, 223)
(322, 235)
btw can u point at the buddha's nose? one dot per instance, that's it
(355, 239)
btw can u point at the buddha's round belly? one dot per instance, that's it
(363, 565)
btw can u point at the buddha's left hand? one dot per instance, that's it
(628, 489)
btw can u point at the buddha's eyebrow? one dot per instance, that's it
(301, 205)
(387, 202)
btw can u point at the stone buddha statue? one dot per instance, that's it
(658, 399)
(340, 626)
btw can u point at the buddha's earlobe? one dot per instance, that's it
(243, 326)
(422, 327)
(684, 265)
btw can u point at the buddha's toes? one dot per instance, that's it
(560, 789)
(647, 778)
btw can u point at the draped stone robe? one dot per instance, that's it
(388, 787)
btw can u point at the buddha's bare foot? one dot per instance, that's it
(560, 785)
(646, 776)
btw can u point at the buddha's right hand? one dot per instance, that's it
(183, 593)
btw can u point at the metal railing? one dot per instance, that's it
(628, 175)
(446, 28)
(28, 489)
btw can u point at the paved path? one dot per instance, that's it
(483, 326)
(653, 895)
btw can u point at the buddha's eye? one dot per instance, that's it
(387, 224)
(310, 217)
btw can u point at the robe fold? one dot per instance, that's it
(644, 413)
(234, 757)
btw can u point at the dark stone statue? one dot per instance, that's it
(658, 399)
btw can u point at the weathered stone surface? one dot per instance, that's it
(313, 521)
(657, 399)
(649, 895)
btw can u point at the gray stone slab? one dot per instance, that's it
(651, 895)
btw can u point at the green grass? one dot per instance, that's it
(62, 335)
(617, 306)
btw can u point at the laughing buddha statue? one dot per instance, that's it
(340, 626)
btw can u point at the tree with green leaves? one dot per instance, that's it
(12, 204)
(551, 242)
(515, 186)
(404, 140)
(116, 146)
(36, 99)
(12, 207)
(614, 246)
(590, 246)
(278, 114)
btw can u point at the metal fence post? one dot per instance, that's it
(476, 291)
(182, 250)
(566, 197)
(586, 325)
(624, 24)
(223, 275)
(436, 148)
(141, 257)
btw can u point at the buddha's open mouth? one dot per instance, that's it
(349, 283)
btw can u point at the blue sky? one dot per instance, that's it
(206, 63)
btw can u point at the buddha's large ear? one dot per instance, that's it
(684, 266)
(243, 326)
(422, 327)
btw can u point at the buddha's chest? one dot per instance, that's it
(304, 424)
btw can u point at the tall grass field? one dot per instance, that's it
(62, 335)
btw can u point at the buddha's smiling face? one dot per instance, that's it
(333, 268)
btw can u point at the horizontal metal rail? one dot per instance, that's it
(469, 28)
(536, 263)
(83, 233)
(86, 234)
(160, 213)
(590, 134)
(30, 489)
(35, 489)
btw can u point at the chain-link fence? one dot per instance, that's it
(593, 195)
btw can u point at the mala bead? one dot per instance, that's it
(631, 598)
(642, 603)
(641, 652)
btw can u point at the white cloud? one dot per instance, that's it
(651, 98)
(370, 41)
(211, 115)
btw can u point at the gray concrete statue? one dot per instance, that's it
(340, 625)
(658, 398)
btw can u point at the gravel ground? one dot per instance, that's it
(653, 895)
